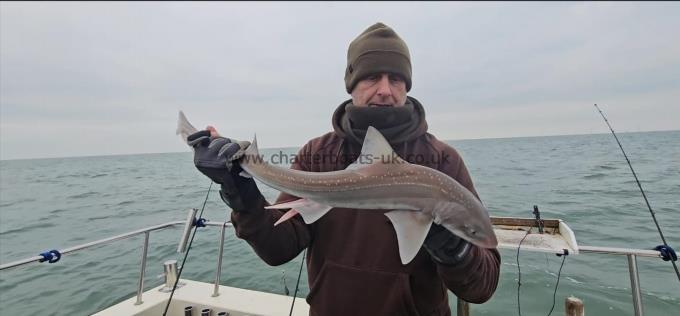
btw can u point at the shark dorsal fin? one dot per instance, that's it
(375, 145)
(375, 150)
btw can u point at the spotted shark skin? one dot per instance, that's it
(379, 180)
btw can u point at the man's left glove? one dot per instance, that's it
(445, 247)
(217, 158)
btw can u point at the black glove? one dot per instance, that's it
(217, 158)
(445, 247)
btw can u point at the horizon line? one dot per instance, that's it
(280, 147)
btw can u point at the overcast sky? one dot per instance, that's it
(80, 79)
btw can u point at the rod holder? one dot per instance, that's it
(539, 221)
(188, 225)
(170, 273)
(188, 310)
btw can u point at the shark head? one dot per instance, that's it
(469, 223)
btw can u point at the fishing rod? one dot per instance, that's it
(186, 254)
(658, 228)
(304, 254)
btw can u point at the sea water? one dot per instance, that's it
(584, 180)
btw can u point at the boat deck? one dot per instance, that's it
(235, 301)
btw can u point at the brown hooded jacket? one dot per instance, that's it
(353, 259)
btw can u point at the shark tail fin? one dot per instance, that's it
(252, 149)
(184, 128)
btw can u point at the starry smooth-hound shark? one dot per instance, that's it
(378, 180)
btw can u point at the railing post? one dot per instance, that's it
(635, 284)
(216, 292)
(463, 308)
(573, 306)
(140, 288)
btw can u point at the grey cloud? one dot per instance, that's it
(120, 68)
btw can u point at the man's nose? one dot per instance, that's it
(384, 86)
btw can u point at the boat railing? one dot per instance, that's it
(191, 223)
(146, 231)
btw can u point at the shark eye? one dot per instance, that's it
(469, 229)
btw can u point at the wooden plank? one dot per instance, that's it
(516, 221)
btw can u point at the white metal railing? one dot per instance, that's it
(146, 231)
(631, 255)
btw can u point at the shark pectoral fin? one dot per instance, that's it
(288, 215)
(285, 205)
(310, 210)
(411, 228)
(245, 174)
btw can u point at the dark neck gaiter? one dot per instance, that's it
(395, 123)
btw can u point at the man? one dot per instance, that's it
(353, 260)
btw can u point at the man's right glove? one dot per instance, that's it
(445, 247)
(217, 158)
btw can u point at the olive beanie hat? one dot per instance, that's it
(378, 49)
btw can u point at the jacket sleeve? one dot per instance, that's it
(275, 245)
(475, 278)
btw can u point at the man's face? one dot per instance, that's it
(381, 89)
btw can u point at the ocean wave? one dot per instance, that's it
(574, 192)
(661, 297)
(59, 210)
(7, 286)
(10, 203)
(562, 202)
(26, 229)
(632, 181)
(572, 280)
(83, 195)
(606, 167)
(95, 218)
(70, 175)
(594, 176)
